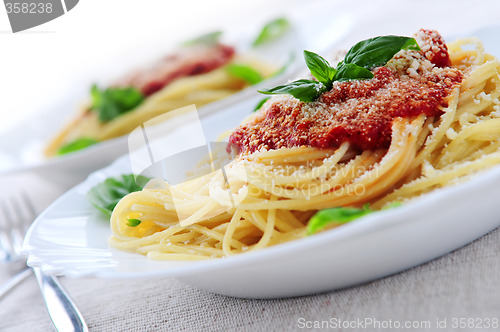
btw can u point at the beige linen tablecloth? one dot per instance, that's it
(435, 296)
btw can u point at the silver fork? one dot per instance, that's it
(16, 215)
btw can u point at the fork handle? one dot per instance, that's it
(62, 311)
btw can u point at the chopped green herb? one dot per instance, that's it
(340, 216)
(78, 144)
(358, 62)
(272, 30)
(107, 194)
(262, 102)
(208, 39)
(244, 72)
(113, 102)
(133, 222)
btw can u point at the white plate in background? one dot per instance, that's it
(26, 141)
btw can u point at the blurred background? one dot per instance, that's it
(44, 63)
(101, 38)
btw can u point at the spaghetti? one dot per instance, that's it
(280, 179)
(195, 75)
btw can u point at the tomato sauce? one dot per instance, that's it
(360, 112)
(189, 61)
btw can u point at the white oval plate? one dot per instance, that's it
(70, 237)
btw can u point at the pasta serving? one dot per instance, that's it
(196, 74)
(428, 116)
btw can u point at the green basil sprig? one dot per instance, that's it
(304, 90)
(272, 30)
(357, 63)
(320, 68)
(244, 72)
(112, 102)
(105, 195)
(377, 51)
(78, 144)
(339, 216)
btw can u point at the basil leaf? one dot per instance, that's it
(357, 63)
(320, 68)
(304, 90)
(375, 52)
(339, 216)
(272, 30)
(107, 194)
(113, 102)
(207, 39)
(350, 71)
(78, 144)
(260, 103)
(244, 72)
(133, 222)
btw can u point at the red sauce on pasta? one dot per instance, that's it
(190, 61)
(360, 112)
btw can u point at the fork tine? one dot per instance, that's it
(17, 215)
(26, 214)
(29, 207)
(19, 206)
(6, 245)
(16, 221)
(17, 238)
